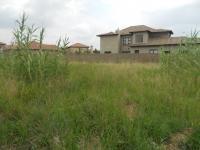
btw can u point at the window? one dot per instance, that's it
(126, 40)
(153, 51)
(139, 38)
(107, 52)
(137, 51)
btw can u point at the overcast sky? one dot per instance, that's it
(82, 20)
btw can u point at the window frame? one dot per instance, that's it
(139, 38)
(126, 40)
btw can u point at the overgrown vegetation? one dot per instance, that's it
(31, 65)
(46, 103)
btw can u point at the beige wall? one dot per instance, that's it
(110, 43)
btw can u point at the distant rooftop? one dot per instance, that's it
(143, 28)
(78, 45)
(35, 46)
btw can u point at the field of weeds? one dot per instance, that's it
(99, 106)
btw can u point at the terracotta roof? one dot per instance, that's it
(162, 42)
(142, 28)
(78, 45)
(108, 34)
(35, 46)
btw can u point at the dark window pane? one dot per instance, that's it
(137, 51)
(139, 38)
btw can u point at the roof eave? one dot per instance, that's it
(101, 35)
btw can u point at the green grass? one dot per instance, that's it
(97, 106)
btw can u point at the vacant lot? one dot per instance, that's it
(100, 106)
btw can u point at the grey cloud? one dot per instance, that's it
(45, 12)
(82, 23)
(7, 18)
(183, 19)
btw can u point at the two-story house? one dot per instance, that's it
(138, 39)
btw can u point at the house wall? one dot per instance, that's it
(148, 37)
(110, 43)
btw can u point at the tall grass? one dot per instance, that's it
(32, 65)
(105, 106)
(182, 68)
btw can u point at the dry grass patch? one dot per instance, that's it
(9, 88)
(177, 140)
(129, 108)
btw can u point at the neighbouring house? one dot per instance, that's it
(79, 48)
(139, 39)
(35, 46)
(2, 46)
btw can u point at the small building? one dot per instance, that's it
(36, 46)
(139, 39)
(79, 48)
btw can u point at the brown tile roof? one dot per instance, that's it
(78, 45)
(142, 28)
(108, 34)
(139, 28)
(35, 46)
(162, 42)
